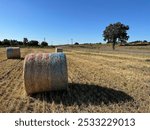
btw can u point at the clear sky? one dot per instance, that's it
(82, 20)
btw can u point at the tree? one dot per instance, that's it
(44, 44)
(1, 43)
(33, 43)
(116, 32)
(76, 43)
(25, 41)
(145, 41)
(14, 42)
(6, 42)
(20, 42)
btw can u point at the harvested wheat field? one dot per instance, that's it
(99, 81)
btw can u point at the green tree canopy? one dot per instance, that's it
(116, 32)
(25, 41)
(76, 43)
(33, 43)
(6, 42)
(44, 44)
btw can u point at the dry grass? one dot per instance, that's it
(104, 81)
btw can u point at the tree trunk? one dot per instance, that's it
(113, 45)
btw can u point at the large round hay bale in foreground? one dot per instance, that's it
(45, 72)
(13, 52)
(58, 49)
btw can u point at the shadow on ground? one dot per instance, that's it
(22, 58)
(147, 60)
(84, 94)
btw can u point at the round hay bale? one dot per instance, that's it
(58, 49)
(13, 52)
(45, 72)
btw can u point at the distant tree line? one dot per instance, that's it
(138, 41)
(25, 42)
(98, 43)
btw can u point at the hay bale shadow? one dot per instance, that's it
(84, 94)
(147, 60)
(22, 58)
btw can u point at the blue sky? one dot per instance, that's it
(59, 21)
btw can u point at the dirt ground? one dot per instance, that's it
(99, 81)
